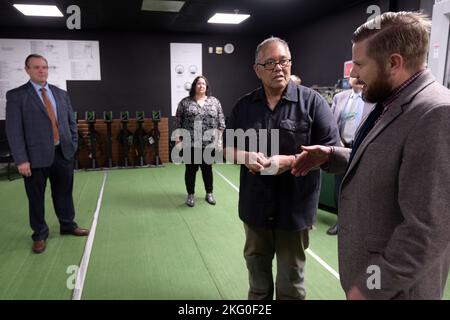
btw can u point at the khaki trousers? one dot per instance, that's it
(289, 247)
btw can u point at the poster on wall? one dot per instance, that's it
(185, 65)
(67, 60)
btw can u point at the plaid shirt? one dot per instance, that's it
(390, 100)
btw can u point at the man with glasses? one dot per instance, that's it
(276, 207)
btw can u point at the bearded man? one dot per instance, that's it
(394, 221)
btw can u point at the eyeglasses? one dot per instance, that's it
(270, 65)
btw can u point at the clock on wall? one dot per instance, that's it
(228, 48)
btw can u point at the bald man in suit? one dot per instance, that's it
(42, 134)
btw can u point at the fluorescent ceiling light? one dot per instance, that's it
(38, 10)
(231, 18)
(165, 6)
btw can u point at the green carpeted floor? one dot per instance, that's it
(148, 244)
(25, 275)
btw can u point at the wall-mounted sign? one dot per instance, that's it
(185, 65)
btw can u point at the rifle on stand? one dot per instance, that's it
(154, 137)
(107, 118)
(139, 137)
(90, 119)
(124, 137)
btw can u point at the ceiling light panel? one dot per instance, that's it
(38, 10)
(229, 18)
(164, 6)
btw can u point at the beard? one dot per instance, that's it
(379, 90)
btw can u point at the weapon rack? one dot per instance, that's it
(84, 162)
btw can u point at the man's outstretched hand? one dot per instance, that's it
(312, 157)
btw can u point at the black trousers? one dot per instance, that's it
(191, 173)
(60, 174)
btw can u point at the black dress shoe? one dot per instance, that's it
(80, 232)
(332, 231)
(38, 246)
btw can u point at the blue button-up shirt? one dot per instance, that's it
(38, 87)
(359, 106)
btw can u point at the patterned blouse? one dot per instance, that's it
(209, 116)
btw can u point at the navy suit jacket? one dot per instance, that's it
(29, 129)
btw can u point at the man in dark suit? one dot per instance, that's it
(42, 134)
(349, 109)
(394, 239)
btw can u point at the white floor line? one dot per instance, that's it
(322, 263)
(82, 270)
(228, 181)
(308, 251)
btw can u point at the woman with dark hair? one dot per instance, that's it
(199, 110)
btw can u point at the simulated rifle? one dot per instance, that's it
(125, 137)
(154, 136)
(107, 118)
(139, 137)
(90, 119)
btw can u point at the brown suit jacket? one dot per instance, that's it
(394, 209)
